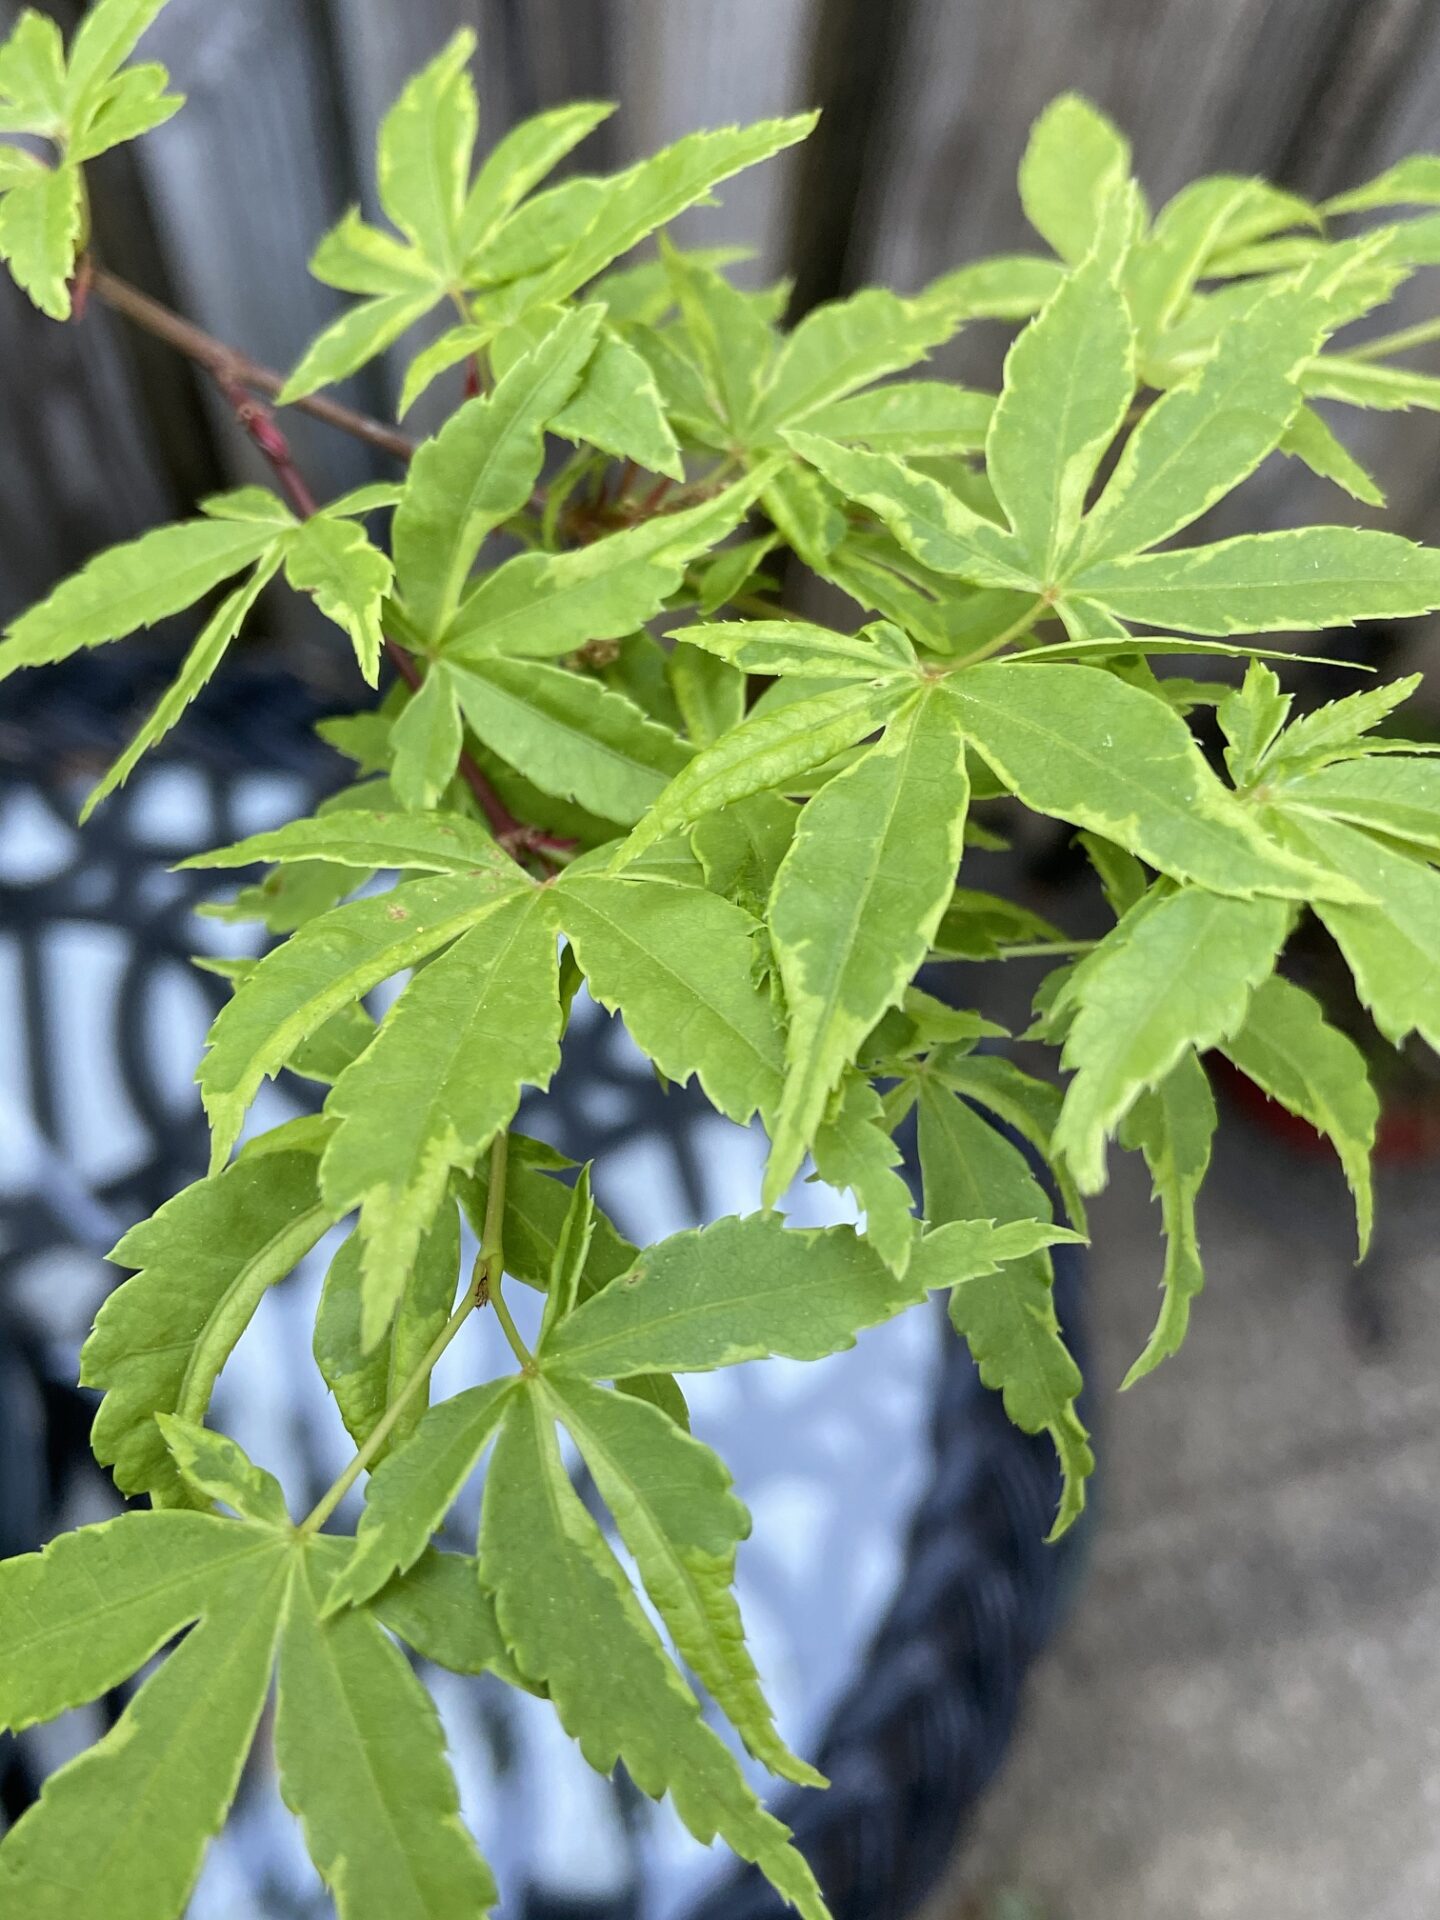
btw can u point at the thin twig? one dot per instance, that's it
(259, 423)
(228, 363)
(508, 1327)
(1002, 640)
(1398, 342)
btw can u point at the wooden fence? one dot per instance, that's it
(927, 104)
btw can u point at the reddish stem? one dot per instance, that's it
(258, 421)
(80, 287)
(506, 828)
(652, 499)
(226, 362)
(260, 424)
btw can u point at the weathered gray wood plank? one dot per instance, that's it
(81, 453)
(708, 63)
(79, 467)
(241, 185)
(1379, 101)
(1199, 84)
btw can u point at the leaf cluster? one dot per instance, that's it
(80, 102)
(742, 831)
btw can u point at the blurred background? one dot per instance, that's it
(1228, 1703)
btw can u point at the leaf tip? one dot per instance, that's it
(1072, 1505)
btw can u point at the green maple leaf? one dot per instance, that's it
(856, 902)
(121, 1829)
(1198, 442)
(1001, 1305)
(205, 1261)
(537, 1543)
(1177, 972)
(84, 104)
(1172, 1126)
(441, 1078)
(491, 241)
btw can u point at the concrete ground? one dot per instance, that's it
(1241, 1718)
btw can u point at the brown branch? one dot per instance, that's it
(226, 363)
(259, 423)
(233, 370)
